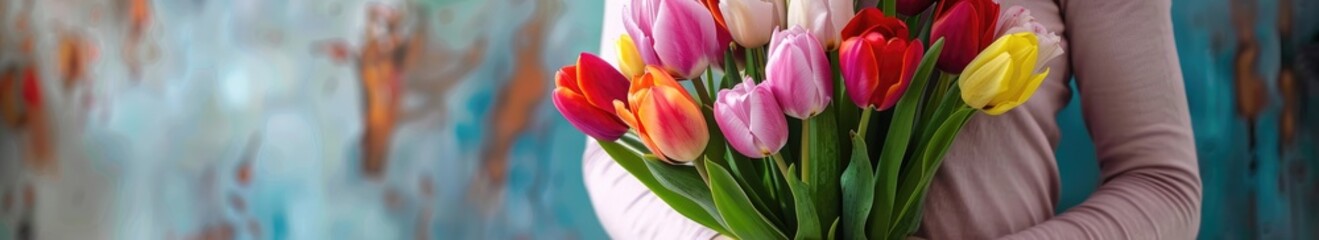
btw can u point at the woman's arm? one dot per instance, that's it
(626, 208)
(1126, 67)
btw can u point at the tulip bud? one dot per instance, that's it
(677, 34)
(629, 60)
(876, 59)
(751, 22)
(799, 73)
(665, 116)
(1018, 19)
(823, 18)
(751, 119)
(966, 26)
(1002, 77)
(584, 94)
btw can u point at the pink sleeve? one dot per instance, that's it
(1126, 67)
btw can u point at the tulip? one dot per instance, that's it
(877, 60)
(823, 18)
(751, 22)
(665, 116)
(798, 73)
(966, 26)
(1018, 19)
(629, 60)
(677, 34)
(1003, 76)
(721, 32)
(585, 93)
(751, 119)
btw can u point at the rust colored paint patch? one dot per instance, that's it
(1290, 106)
(1249, 85)
(11, 100)
(75, 54)
(519, 98)
(244, 173)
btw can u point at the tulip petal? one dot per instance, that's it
(986, 82)
(567, 77)
(599, 82)
(748, 22)
(630, 118)
(629, 59)
(595, 122)
(910, 61)
(734, 127)
(768, 125)
(684, 37)
(680, 130)
(860, 76)
(870, 20)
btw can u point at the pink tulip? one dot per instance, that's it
(798, 73)
(751, 119)
(676, 34)
(585, 93)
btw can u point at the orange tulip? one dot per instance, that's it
(665, 116)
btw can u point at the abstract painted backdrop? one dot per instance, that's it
(430, 119)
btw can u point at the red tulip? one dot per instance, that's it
(966, 26)
(877, 60)
(585, 93)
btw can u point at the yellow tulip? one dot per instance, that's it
(629, 59)
(1003, 76)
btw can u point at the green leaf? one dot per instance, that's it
(833, 230)
(858, 191)
(930, 157)
(731, 75)
(824, 166)
(716, 145)
(749, 173)
(895, 144)
(633, 163)
(736, 209)
(683, 180)
(808, 219)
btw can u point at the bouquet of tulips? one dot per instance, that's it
(826, 118)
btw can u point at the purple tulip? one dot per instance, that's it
(751, 119)
(798, 73)
(676, 34)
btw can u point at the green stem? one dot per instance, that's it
(783, 166)
(700, 90)
(709, 81)
(865, 121)
(805, 149)
(890, 8)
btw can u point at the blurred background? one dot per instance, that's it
(429, 119)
